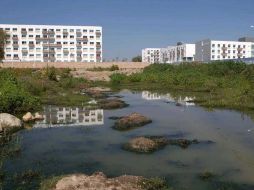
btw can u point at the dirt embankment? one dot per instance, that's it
(84, 69)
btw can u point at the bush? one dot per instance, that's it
(51, 73)
(13, 96)
(117, 78)
(114, 68)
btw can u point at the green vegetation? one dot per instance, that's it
(137, 59)
(154, 184)
(112, 68)
(23, 90)
(3, 38)
(224, 84)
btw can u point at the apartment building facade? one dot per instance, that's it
(171, 54)
(51, 43)
(152, 55)
(212, 50)
(179, 53)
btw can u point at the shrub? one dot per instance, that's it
(117, 78)
(13, 96)
(51, 73)
(114, 68)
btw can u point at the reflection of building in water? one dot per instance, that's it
(186, 101)
(56, 116)
(150, 96)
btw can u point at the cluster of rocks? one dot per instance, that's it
(153, 143)
(131, 121)
(30, 117)
(112, 103)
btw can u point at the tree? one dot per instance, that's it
(3, 38)
(137, 59)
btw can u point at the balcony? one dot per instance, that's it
(239, 54)
(239, 49)
(224, 48)
(65, 33)
(98, 45)
(98, 52)
(24, 51)
(48, 51)
(224, 54)
(79, 51)
(51, 32)
(16, 58)
(15, 38)
(78, 33)
(79, 45)
(82, 39)
(44, 38)
(98, 33)
(15, 45)
(23, 32)
(52, 45)
(66, 51)
(31, 45)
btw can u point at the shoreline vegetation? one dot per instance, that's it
(222, 84)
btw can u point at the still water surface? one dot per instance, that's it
(74, 139)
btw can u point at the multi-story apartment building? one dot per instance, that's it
(171, 54)
(179, 53)
(50, 43)
(210, 50)
(152, 55)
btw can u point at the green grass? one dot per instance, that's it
(226, 84)
(23, 90)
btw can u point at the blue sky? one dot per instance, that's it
(130, 25)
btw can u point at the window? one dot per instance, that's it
(30, 36)
(91, 43)
(58, 30)
(14, 29)
(218, 45)
(7, 29)
(213, 45)
(91, 31)
(71, 30)
(71, 36)
(23, 35)
(30, 29)
(65, 42)
(58, 36)
(37, 29)
(15, 49)
(84, 30)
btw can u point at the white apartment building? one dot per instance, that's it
(50, 43)
(152, 55)
(210, 50)
(179, 53)
(171, 54)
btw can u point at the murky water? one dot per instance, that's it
(80, 140)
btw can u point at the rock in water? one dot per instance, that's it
(9, 122)
(112, 103)
(145, 144)
(37, 116)
(131, 121)
(28, 117)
